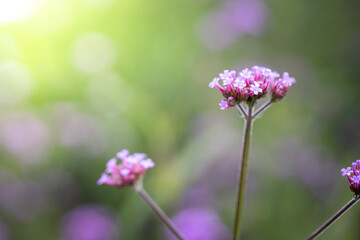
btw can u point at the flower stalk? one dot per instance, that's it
(333, 219)
(241, 110)
(247, 87)
(262, 108)
(158, 211)
(240, 199)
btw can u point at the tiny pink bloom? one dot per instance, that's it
(214, 82)
(103, 179)
(227, 81)
(246, 73)
(110, 165)
(122, 154)
(239, 83)
(147, 163)
(274, 75)
(346, 171)
(267, 72)
(286, 79)
(131, 160)
(223, 105)
(139, 156)
(256, 89)
(356, 179)
(227, 77)
(257, 72)
(124, 172)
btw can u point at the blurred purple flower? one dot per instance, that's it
(24, 136)
(309, 166)
(23, 200)
(233, 20)
(199, 196)
(6, 177)
(199, 224)
(89, 222)
(4, 232)
(245, 16)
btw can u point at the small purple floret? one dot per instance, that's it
(89, 222)
(110, 165)
(214, 82)
(346, 171)
(147, 163)
(103, 179)
(223, 105)
(122, 154)
(356, 179)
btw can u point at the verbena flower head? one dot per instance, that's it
(250, 85)
(128, 171)
(353, 175)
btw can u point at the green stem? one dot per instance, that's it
(241, 110)
(242, 176)
(158, 211)
(333, 219)
(262, 108)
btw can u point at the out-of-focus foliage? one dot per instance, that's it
(81, 80)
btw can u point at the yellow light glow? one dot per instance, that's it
(15, 10)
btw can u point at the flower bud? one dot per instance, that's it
(126, 173)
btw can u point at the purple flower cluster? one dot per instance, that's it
(250, 85)
(353, 175)
(128, 172)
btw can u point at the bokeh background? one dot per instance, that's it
(82, 79)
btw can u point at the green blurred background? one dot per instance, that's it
(81, 80)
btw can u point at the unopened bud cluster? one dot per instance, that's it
(125, 174)
(250, 85)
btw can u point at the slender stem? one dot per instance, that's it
(159, 212)
(242, 176)
(241, 110)
(262, 108)
(333, 219)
